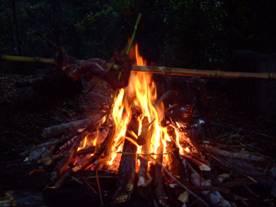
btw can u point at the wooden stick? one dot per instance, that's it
(185, 72)
(125, 184)
(244, 155)
(159, 189)
(162, 70)
(180, 183)
(26, 59)
(99, 187)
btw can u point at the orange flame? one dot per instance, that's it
(141, 95)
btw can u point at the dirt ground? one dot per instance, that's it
(31, 101)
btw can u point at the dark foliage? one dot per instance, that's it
(173, 32)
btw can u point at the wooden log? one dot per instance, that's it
(64, 167)
(159, 190)
(71, 127)
(244, 155)
(144, 177)
(126, 174)
(127, 167)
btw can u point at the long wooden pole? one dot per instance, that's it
(186, 72)
(162, 70)
(26, 59)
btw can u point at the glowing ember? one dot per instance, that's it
(139, 101)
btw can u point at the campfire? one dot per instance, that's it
(146, 147)
(137, 117)
(141, 138)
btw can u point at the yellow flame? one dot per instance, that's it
(141, 95)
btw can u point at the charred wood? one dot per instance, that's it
(126, 174)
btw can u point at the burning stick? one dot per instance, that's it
(127, 167)
(160, 193)
(96, 156)
(144, 140)
(126, 174)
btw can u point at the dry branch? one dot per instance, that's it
(244, 155)
(213, 196)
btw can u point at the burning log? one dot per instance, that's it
(144, 177)
(99, 151)
(126, 173)
(159, 190)
(127, 166)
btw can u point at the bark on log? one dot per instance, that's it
(71, 127)
(126, 174)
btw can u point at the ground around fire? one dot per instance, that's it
(31, 102)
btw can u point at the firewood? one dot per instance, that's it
(85, 151)
(175, 164)
(165, 96)
(126, 174)
(187, 72)
(63, 167)
(161, 195)
(70, 127)
(243, 167)
(244, 155)
(144, 177)
(95, 158)
(39, 152)
(127, 166)
(214, 197)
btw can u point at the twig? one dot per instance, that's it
(180, 183)
(133, 33)
(99, 187)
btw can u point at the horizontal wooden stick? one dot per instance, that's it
(185, 72)
(26, 59)
(162, 70)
